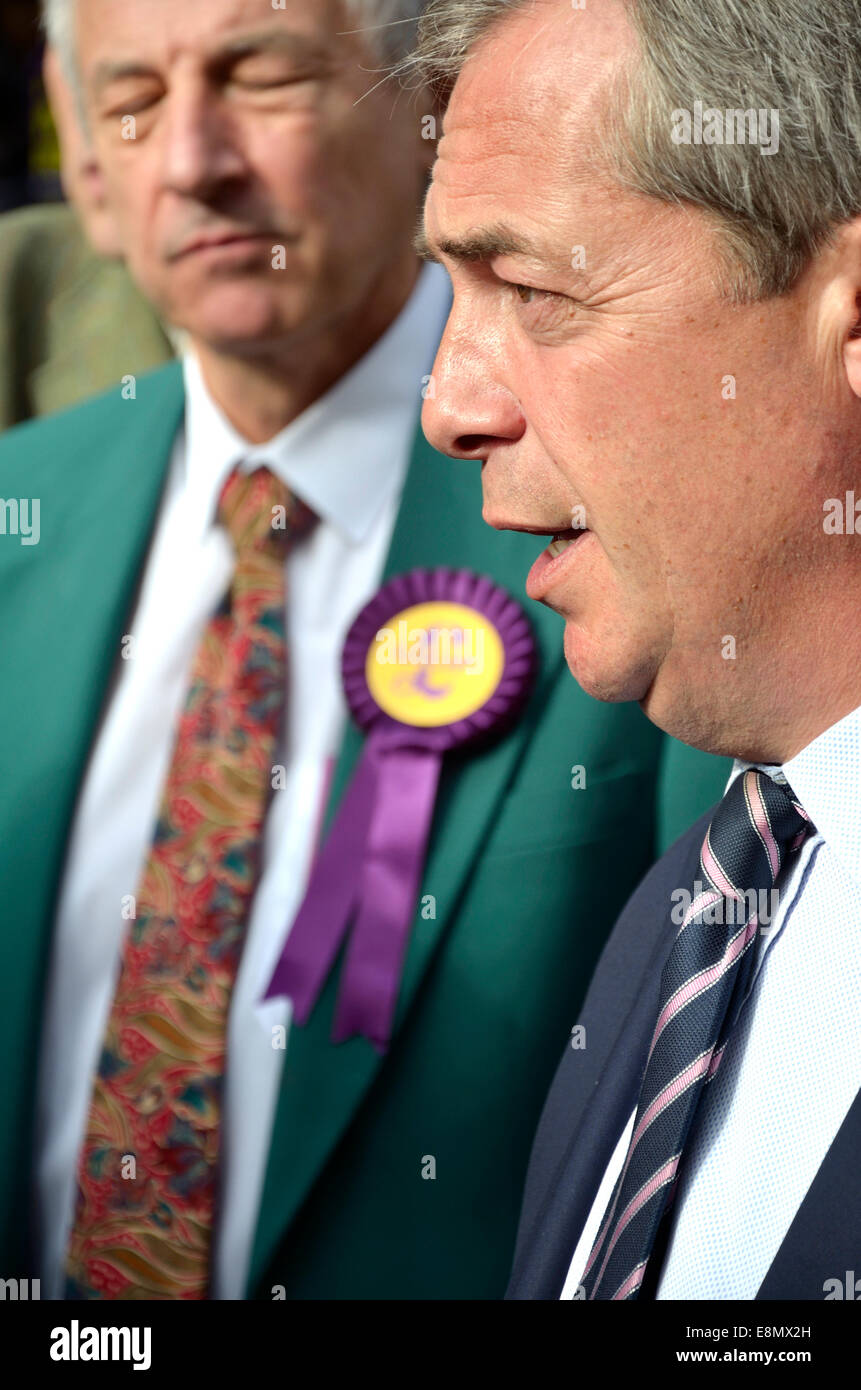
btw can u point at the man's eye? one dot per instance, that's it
(549, 311)
(528, 294)
(261, 84)
(261, 75)
(131, 103)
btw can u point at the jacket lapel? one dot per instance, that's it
(439, 523)
(595, 1090)
(541, 1266)
(822, 1242)
(63, 606)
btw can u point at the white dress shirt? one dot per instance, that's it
(347, 457)
(792, 1067)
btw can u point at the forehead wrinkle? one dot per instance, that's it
(229, 33)
(546, 131)
(475, 184)
(541, 87)
(234, 46)
(527, 144)
(291, 40)
(484, 241)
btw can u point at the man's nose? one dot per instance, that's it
(202, 147)
(467, 411)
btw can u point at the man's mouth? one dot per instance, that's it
(567, 544)
(223, 241)
(563, 539)
(555, 561)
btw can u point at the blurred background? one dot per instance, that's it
(29, 157)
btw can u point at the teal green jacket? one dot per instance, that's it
(528, 876)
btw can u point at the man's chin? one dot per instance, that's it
(241, 310)
(605, 672)
(246, 333)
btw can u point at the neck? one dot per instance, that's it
(805, 679)
(265, 388)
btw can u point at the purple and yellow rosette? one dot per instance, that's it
(437, 660)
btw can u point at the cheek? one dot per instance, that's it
(612, 384)
(130, 192)
(640, 453)
(580, 409)
(321, 163)
(292, 167)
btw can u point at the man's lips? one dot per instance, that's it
(555, 562)
(567, 544)
(217, 241)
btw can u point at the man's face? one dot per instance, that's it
(685, 433)
(247, 136)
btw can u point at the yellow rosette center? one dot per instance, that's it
(434, 664)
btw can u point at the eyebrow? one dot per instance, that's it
(300, 46)
(484, 244)
(106, 72)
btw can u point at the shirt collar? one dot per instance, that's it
(348, 453)
(825, 777)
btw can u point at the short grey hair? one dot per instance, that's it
(772, 213)
(390, 27)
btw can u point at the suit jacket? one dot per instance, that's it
(71, 322)
(596, 1088)
(524, 870)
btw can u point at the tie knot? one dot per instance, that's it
(760, 822)
(261, 513)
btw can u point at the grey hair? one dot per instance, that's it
(58, 23)
(389, 25)
(772, 212)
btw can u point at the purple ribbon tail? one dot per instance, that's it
(394, 849)
(319, 928)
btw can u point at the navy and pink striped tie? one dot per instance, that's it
(705, 981)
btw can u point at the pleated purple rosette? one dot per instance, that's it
(369, 870)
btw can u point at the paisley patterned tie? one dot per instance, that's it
(147, 1171)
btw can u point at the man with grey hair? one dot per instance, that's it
(651, 214)
(184, 1123)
